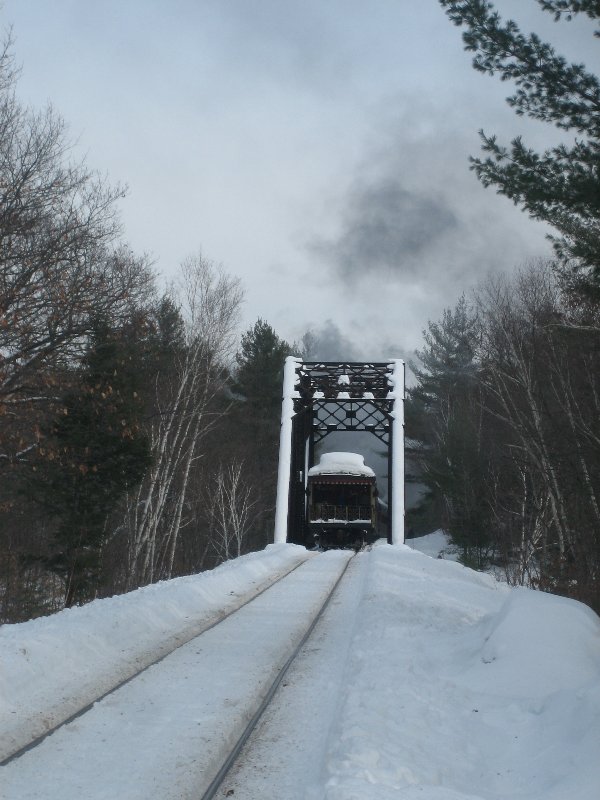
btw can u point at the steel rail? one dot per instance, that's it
(197, 633)
(219, 778)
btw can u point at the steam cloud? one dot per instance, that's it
(386, 229)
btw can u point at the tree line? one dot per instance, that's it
(505, 414)
(138, 436)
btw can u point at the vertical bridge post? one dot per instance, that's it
(285, 449)
(396, 501)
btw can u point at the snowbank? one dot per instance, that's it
(461, 688)
(436, 545)
(536, 645)
(52, 666)
(448, 685)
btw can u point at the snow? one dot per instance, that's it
(523, 632)
(436, 545)
(396, 379)
(426, 714)
(167, 721)
(341, 463)
(53, 666)
(424, 680)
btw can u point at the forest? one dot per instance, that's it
(138, 435)
(139, 432)
(505, 413)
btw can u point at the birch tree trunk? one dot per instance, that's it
(230, 509)
(209, 302)
(541, 372)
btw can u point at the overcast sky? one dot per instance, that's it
(317, 148)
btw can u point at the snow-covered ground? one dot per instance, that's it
(53, 666)
(436, 545)
(423, 680)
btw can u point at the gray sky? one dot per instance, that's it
(318, 149)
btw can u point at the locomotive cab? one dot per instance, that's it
(342, 501)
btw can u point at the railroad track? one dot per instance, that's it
(310, 585)
(231, 757)
(192, 634)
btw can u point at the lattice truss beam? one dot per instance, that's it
(345, 396)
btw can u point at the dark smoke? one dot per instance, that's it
(386, 230)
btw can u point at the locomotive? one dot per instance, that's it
(342, 502)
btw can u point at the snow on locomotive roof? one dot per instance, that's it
(341, 464)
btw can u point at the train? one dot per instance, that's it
(342, 502)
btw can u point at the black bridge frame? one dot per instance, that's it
(330, 397)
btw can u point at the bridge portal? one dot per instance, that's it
(325, 397)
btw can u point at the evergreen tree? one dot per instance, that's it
(259, 378)
(256, 417)
(448, 361)
(443, 416)
(97, 453)
(167, 340)
(560, 184)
